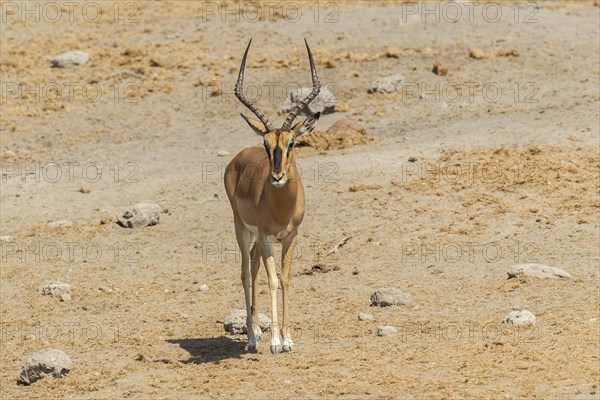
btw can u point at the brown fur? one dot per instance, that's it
(267, 206)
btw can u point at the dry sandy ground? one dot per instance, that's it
(457, 188)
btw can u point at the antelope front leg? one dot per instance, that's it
(255, 260)
(252, 344)
(266, 249)
(246, 241)
(288, 248)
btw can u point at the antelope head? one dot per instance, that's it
(279, 143)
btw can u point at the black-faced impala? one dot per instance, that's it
(267, 199)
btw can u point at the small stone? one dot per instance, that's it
(60, 223)
(70, 59)
(235, 322)
(393, 52)
(363, 187)
(519, 317)
(55, 289)
(476, 53)
(65, 297)
(390, 297)
(386, 330)
(203, 288)
(222, 153)
(324, 102)
(162, 61)
(365, 317)
(388, 84)
(182, 315)
(537, 271)
(45, 363)
(508, 53)
(5, 239)
(106, 219)
(85, 190)
(140, 215)
(439, 69)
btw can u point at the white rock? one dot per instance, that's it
(390, 297)
(59, 223)
(5, 239)
(388, 84)
(65, 297)
(365, 317)
(142, 214)
(45, 363)
(520, 317)
(386, 330)
(70, 59)
(222, 153)
(55, 289)
(235, 322)
(183, 315)
(203, 288)
(537, 270)
(323, 103)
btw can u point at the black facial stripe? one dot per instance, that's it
(277, 159)
(267, 150)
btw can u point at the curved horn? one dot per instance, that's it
(315, 91)
(243, 99)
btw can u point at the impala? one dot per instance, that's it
(267, 199)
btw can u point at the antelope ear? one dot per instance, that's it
(256, 126)
(306, 126)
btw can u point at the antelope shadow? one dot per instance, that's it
(211, 350)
